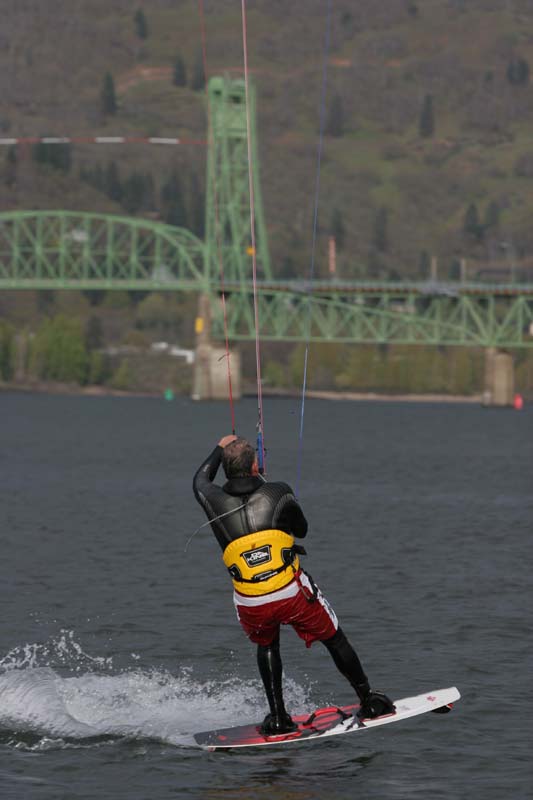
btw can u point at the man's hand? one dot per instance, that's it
(227, 440)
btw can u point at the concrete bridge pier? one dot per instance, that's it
(210, 379)
(499, 378)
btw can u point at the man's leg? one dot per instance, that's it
(373, 704)
(271, 671)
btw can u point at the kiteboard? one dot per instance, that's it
(330, 721)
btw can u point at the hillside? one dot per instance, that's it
(401, 182)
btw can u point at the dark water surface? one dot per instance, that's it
(115, 646)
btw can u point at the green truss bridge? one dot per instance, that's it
(75, 250)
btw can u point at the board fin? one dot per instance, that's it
(443, 709)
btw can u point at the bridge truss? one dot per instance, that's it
(76, 250)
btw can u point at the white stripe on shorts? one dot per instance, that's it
(258, 600)
(282, 594)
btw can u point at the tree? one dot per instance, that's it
(59, 351)
(112, 184)
(198, 73)
(10, 168)
(337, 229)
(141, 26)
(454, 271)
(108, 100)
(381, 233)
(471, 223)
(424, 265)
(7, 351)
(197, 207)
(57, 155)
(172, 205)
(426, 123)
(179, 77)
(492, 215)
(335, 120)
(133, 192)
(518, 72)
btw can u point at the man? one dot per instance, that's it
(255, 523)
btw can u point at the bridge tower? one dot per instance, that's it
(228, 244)
(227, 189)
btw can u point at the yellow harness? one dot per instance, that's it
(261, 562)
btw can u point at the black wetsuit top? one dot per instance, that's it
(266, 506)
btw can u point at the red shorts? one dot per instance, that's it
(262, 616)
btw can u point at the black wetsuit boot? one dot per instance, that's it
(373, 704)
(271, 670)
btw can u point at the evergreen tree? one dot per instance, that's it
(12, 156)
(133, 192)
(149, 193)
(471, 224)
(335, 120)
(58, 156)
(7, 351)
(454, 272)
(424, 265)
(381, 233)
(198, 74)
(112, 184)
(518, 72)
(108, 100)
(172, 205)
(197, 207)
(492, 215)
(11, 163)
(141, 26)
(97, 178)
(61, 156)
(426, 124)
(337, 229)
(179, 77)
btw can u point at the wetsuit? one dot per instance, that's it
(249, 505)
(266, 505)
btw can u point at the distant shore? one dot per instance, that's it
(410, 398)
(52, 387)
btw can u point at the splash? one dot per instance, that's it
(41, 709)
(62, 650)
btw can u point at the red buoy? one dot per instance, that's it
(518, 402)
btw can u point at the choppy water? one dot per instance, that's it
(115, 646)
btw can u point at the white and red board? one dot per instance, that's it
(324, 722)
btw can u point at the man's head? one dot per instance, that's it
(238, 459)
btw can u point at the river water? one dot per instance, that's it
(115, 645)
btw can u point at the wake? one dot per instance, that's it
(42, 709)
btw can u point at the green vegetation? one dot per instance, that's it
(389, 370)
(422, 120)
(58, 351)
(141, 25)
(179, 76)
(428, 154)
(426, 125)
(108, 99)
(198, 73)
(7, 351)
(335, 121)
(57, 156)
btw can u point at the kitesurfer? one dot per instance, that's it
(255, 522)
